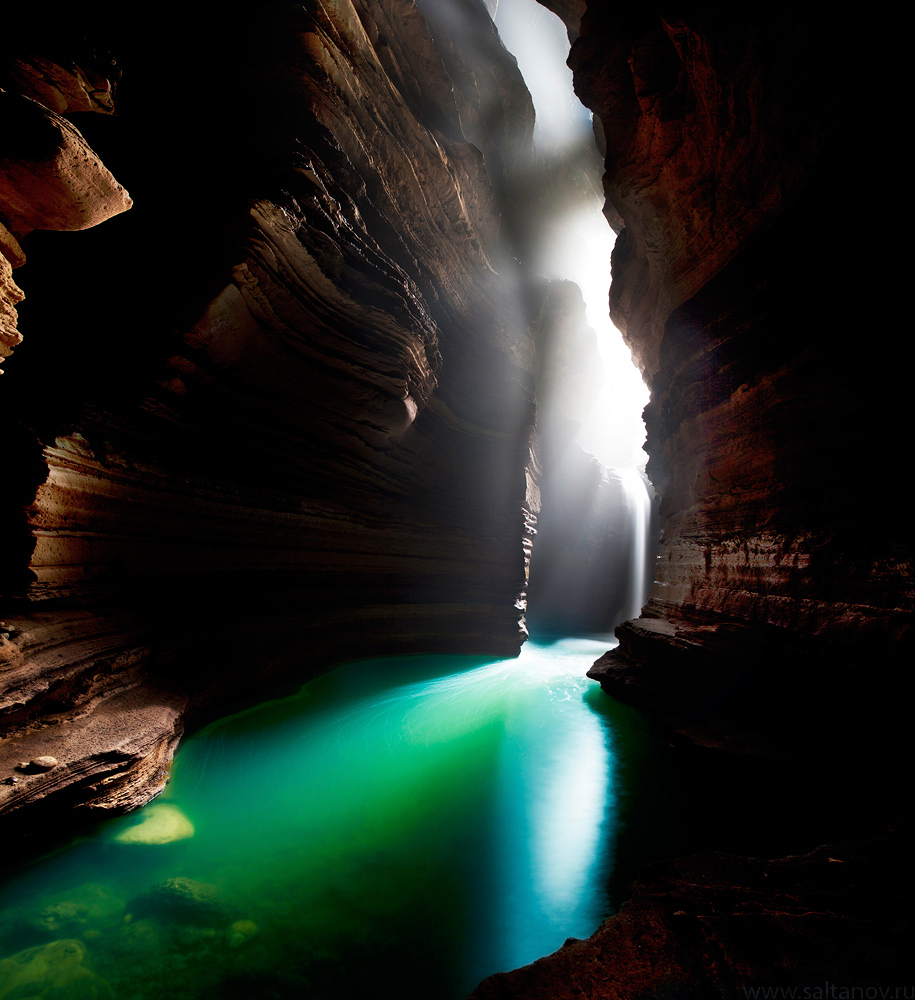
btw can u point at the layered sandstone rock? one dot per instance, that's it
(50, 177)
(723, 137)
(303, 429)
(10, 293)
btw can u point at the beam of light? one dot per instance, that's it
(577, 244)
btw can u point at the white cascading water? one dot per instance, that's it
(638, 503)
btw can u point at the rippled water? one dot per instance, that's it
(399, 827)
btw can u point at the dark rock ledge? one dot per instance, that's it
(712, 924)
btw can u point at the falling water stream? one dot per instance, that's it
(638, 505)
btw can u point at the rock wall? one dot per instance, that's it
(779, 627)
(278, 414)
(738, 286)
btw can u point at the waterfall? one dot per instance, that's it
(638, 505)
(573, 241)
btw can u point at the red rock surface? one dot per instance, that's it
(766, 426)
(300, 427)
(50, 177)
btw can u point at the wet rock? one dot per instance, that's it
(180, 899)
(51, 970)
(75, 911)
(160, 824)
(240, 932)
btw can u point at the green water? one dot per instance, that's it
(399, 827)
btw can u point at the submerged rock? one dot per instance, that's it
(192, 937)
(181, 899)
(137, 942)
(51, 970)
(240, 932)
(78, 909)
(161, 824)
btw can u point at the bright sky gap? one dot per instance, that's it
(579, 251)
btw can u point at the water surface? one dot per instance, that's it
(403, 826)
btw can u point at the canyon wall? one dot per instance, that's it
(782, 595)
(280, 412)
(778, 633)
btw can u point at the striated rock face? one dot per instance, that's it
(50, 177)
(780, 622)
(778, 571)
(281, 413)
(10, 292)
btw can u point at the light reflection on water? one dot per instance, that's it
(423, 822)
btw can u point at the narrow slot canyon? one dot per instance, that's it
(348, 644)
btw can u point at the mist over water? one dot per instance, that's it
(406, 825)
